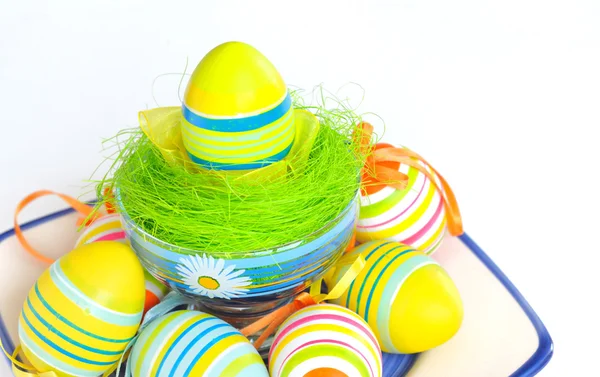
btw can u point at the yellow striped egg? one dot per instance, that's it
(109, 228)
(408, 299)
(414, 216)
(191, 343)
(325, 340)
(83, 310)
(237, 112)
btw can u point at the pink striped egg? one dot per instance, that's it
(109, 228)
(325, 340)
(106, 228)
(413, 216)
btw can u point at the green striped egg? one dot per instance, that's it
(191, 343)
(413, 216)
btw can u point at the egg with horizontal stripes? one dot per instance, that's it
(414, 216)
(83, 310)
(325, 340)
(109, 228)
(237, 112)
(192, 343)
(407, 298)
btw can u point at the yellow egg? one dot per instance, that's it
(237, 112)
(409, 300)
(83, 310)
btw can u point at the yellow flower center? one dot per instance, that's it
(208, 282)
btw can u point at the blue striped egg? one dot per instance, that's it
(192, 343)
(237, 112)
(407, 298)
(83, 311)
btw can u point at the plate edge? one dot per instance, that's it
(6, 341)
(545, 350)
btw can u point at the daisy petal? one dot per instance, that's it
(187, 263)
(219, 266)
(201, 262)
(183, 270)
(228, 270)
(235, 274)
(240, 282)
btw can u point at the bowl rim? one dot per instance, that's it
(354, 202)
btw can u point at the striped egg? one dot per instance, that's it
(408, 299)
(414, 216)
(325, 340)
(106, 228)
(83, 310)
(237, 112)
(109, 228)
(155, 291)
(194, 344)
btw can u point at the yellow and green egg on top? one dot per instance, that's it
(237, 111)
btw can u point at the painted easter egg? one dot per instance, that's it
(414, 216)
(155, 291)
(83, 310)
(109, 228)
(237, 112)
(191, 343)
(325, 340)
(106, 228)
(407, 298)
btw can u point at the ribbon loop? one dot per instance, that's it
(356, 262)
(84, 210)
(376, 172)
(21, 369)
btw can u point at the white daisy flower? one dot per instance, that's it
(207, 276)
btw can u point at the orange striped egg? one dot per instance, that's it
(414, 216)
(192, 343)
(155, 291)
(84, 309)
(325, 340)
(109, 228)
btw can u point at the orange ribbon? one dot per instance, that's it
(273, 320)
(381, 169)
(83, 209)
(109, 202)
(352, 243)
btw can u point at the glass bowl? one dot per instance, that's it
(253, 282)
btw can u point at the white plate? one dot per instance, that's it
(501, 335)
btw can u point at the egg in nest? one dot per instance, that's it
(237, 111)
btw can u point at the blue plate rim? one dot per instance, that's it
(6, 341)
(531, 367)
(541, 357)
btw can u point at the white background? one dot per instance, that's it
(503, 97)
